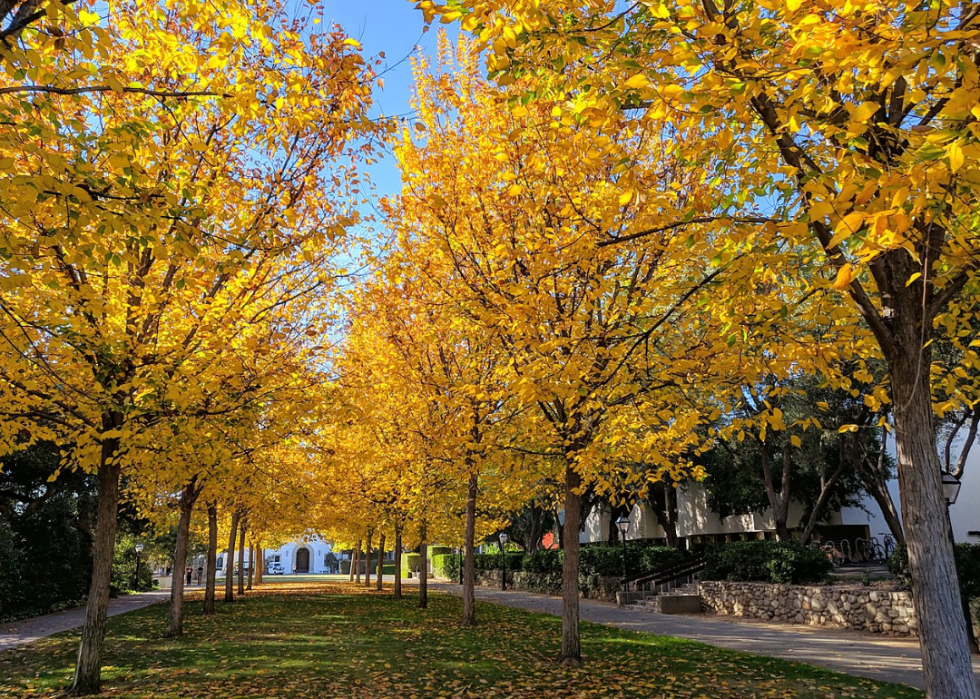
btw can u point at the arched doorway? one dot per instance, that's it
(303, 560)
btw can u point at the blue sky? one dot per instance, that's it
(394, 27)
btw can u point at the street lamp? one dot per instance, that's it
(503, 559)
(951, 488)
(461, 563)
(136, 573)
(623, 525)
(560, 516)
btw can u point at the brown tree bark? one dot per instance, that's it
(663, 503)
(875, 482)
(357, 562)
(241, 559)
(778, 502)
(88, 670)
(424, 571)
(935, 592)
(212, 558)
(230, 563)
(251, 565)
(188, 496)
(571, 647)
(398, 562)
(259, 562)
(381, 562)
(469, 562)
(367, 559)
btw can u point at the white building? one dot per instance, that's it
(301, 556)
(697, 523)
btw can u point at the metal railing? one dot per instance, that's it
(684, 569)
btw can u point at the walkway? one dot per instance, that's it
(864, 655)
(18, 633)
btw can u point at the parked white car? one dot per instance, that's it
(276, 569)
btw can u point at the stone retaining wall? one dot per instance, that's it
(839, 606)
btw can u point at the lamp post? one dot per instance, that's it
(623, 525)
(503, 559)
(560, 516)
(951, 490)
(136, 573)
(461, 562)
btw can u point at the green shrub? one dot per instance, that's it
(967, 567)
(493, 561)
(411, 563)
(439, 551)
(446, 565)
(543, 562)
(766, 561)
(605, 560)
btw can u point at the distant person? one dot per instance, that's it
(190, 573)
(200, 574)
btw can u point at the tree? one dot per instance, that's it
(852, 133)
(153, 223)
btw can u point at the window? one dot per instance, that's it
(275, 559)
(220, 563)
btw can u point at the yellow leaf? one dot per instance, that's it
(955, 154)
(848, 226)
(638, 81)
(865, 111)
(625, 197)
(845, 275)
(913, 278)
(796, 441)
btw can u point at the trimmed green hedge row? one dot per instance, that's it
(766, 561)
(446, 565)
(967, 566)
(595, 560)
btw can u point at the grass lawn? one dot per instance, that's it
(318, 639)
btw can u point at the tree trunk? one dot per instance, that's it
(175, 625)
(212, 558)
(259, 562)
(88, 671)
(398, 562)
(251, 565)
(778, 502)
(367, 559)
(663, 503)
(826, 489)
(571, 649)
(935, 587)
(424, 572)
(357, 560)
(381, 563)
(241, 559)
(230, 563)
(469, 562)
(875, 482)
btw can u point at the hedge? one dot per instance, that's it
(411, 563)
(606, 560)
(766, 561)
(967, 567)
(446, 565)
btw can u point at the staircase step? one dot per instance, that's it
(673, 603)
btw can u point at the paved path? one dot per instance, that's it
(27, 630)
(854, 653)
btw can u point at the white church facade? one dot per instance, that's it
(309, 555)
